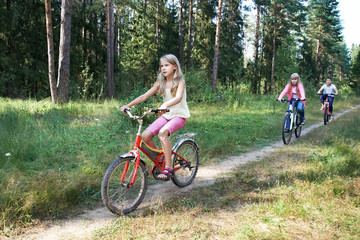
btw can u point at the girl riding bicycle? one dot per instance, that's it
(329, 91)
(170, 85)
(295, 89)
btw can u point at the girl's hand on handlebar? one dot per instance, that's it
(302, 99)
(162, 112)
(123, 108)
(279, 99)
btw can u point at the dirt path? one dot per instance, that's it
(83, 225)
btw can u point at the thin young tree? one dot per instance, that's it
(217, 44)
(50, 44)
(257, 37)
(110, 48)
(188, 55)
(157, 24)
(181, 34)
(272, 82)
(64, 53)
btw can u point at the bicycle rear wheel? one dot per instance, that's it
(286, 135)
(298, 127)
(325, 114)
(186, 174)
(117, 196)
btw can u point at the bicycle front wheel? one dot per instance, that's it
(118, 196)
(325, 114)
(185, 175)
(286, 134)
(298, 127)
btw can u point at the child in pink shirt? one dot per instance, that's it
(295, 90)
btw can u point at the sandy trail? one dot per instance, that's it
(82, 226)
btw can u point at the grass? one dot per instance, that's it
(308, 190)
(58, 154)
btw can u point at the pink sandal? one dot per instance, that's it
(166, 174)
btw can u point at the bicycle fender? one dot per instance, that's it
(178, 143)
(125, 155)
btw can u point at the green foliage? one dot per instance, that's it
(198, 87)
(145, 30)
(355, 71)
(327, 43)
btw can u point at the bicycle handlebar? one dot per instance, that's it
(328, 94)
(157, 110)
(291, 100)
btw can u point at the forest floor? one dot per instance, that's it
(83, 226)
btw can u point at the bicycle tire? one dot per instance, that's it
(325, 114)
(116, 196)
(286, 136)
(298, 127)
(186, 175)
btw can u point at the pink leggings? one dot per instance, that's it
(172, 125)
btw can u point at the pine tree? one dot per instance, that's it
(231, 67)
(324, 32)
(355, 70)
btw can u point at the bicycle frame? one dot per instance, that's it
(292, 114)
(153, 154)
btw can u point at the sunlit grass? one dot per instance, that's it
(59, 153)
(308, 190)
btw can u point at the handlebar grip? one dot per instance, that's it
(158, 110)
(127, 110)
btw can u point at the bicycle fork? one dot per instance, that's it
(135, 153)
(292, 118)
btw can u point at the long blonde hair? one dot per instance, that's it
(295, 75)
(178, 75)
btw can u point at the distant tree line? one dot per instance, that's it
(105, 48)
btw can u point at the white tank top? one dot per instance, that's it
(179, 110)
(294, 92)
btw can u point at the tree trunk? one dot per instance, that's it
(317, 62)
(262, 58)
(116, 34)
(64, 52)
(188, 55)
(272, 83)
(50, 43)
(181, 37)
(84, 34)
(110, 48)
(256, 48)
(8, 4)
(157, 24)
(217, 44)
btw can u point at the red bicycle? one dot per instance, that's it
(326, 111)
(125, 182)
